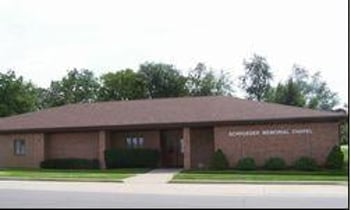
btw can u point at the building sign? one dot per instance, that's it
(270, 132)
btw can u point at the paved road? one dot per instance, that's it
(22, 194)
(52, 199)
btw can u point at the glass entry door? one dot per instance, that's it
(171, 148)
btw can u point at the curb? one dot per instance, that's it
(59, 179)
(184, 181)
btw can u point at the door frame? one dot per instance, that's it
(171, 151)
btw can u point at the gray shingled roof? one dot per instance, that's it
(187, 110)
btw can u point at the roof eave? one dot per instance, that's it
(179, 124)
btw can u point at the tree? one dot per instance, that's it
(44, 99)
(16, 95)
(219, 161)
(288, 94)
(203, 82)
(162, 80)
(319, 94)
(301, 77)
(335, 158)
(303, 90)
(122, 85)
(76, 87)
(256, 81)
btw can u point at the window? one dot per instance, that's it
(129, 142)
(134, 142)
(19, 147)
(141, 142)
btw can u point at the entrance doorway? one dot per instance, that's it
(172, 148)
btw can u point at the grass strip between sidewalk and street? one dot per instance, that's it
(236, 176)
(109, 175)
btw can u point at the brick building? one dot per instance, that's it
(186, 131)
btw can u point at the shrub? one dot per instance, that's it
(132, 158)
(274, 163)
(335, 159)
(70, 163)
(219, 161)
(246, 163)
(305, 164)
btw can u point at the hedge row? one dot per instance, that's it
(70, 163)
(149, 158)
(334, 161)
(132, 158)
(274, 163)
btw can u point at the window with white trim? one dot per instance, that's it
(19, 146)
(134, 141)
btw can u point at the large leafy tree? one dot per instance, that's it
(303, 90)
(319, 95)
(162, 80)
(316, 91)
(16, 95)
(122, 85)
(78, 86)
(257, 77)
(203, 82)
(288, 93)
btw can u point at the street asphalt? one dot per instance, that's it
(41, 194)
(60, 199)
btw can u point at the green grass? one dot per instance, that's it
(72, 175)
(265, 176)
(260, 175)
(345, 149)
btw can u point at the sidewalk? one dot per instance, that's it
(156, 176)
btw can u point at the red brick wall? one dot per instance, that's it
(187, 148)
(290, 147)
(202, 146)
(34, 150)
(151, 138)
(72, 145)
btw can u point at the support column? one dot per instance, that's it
(101, 148)
(187, 148)
(39, 148)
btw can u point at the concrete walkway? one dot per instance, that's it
(156, 176)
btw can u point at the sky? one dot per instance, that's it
(42, 39)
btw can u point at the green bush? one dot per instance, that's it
(306, 164)
(70, 163)
(275, 163)
(219, 161)
(246, 163)
(335, 159)
(132, 158)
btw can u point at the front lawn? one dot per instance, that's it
(259, 175)
(115, 175)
